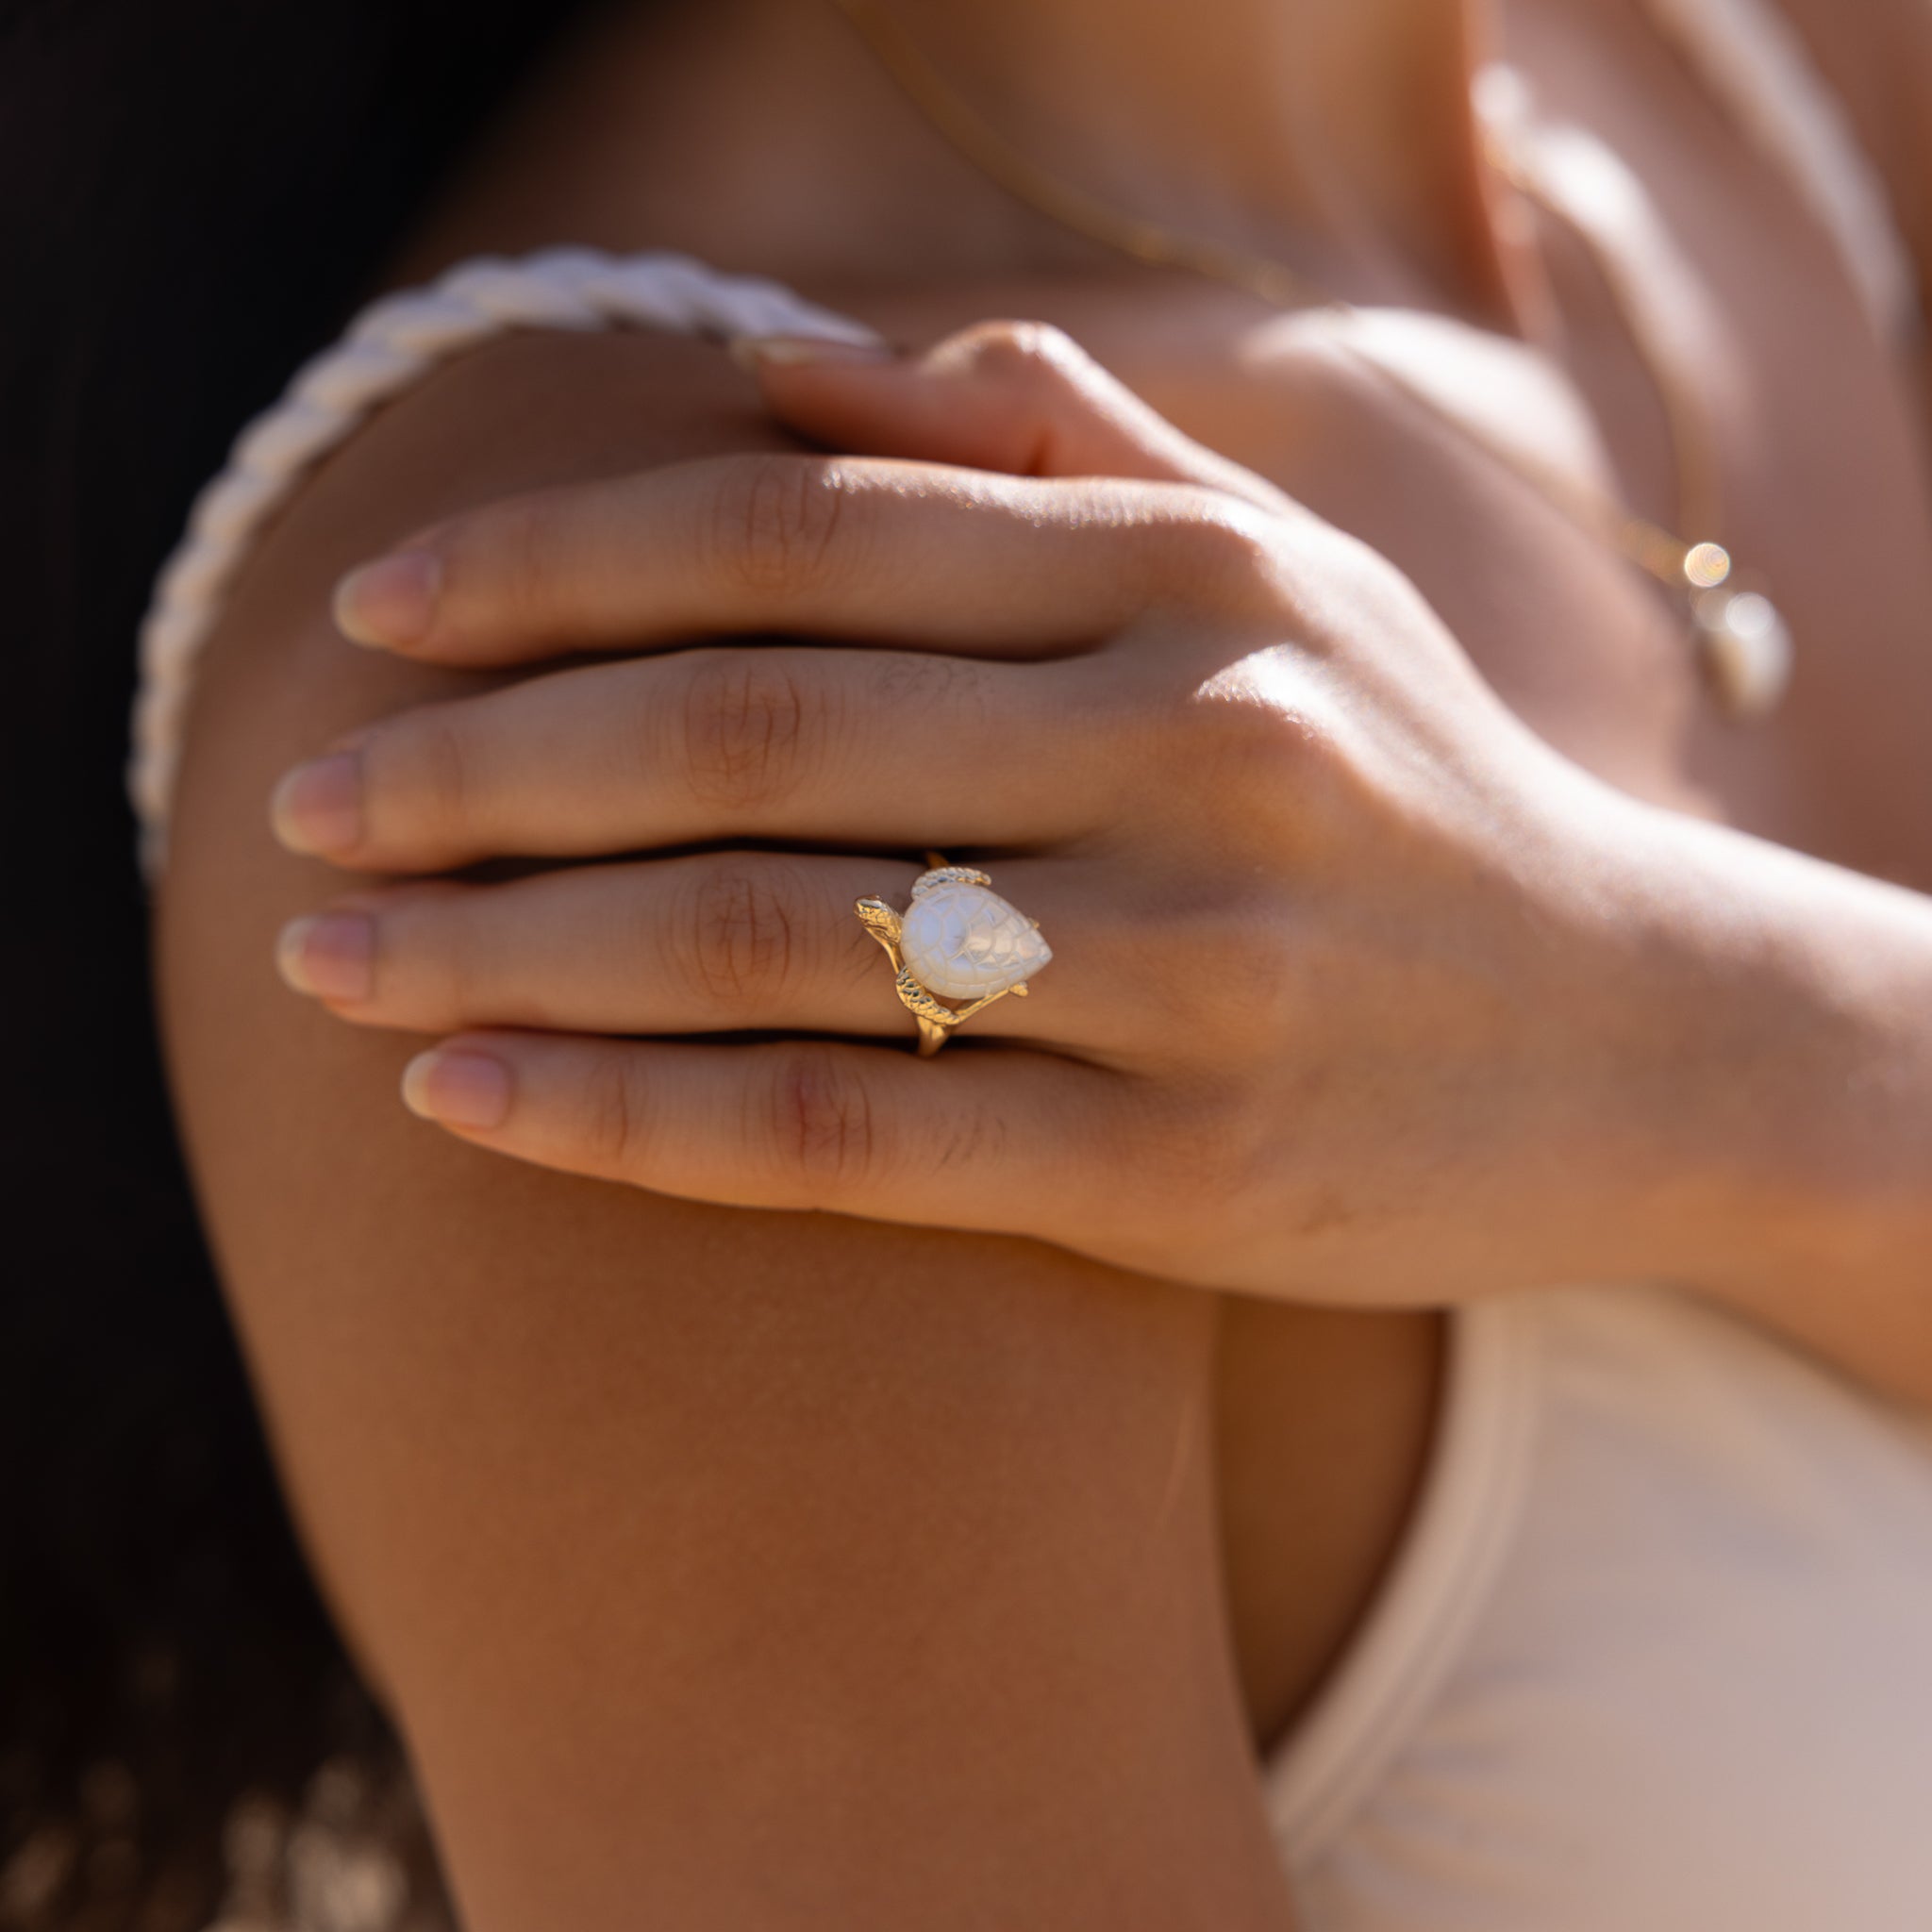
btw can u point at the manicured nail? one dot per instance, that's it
(764, 352)
(391, 601)
(318, 807)
(458, 1087)
(329, 956)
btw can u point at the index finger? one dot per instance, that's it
(868, 550)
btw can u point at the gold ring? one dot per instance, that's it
(957, 940)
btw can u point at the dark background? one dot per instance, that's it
(193, 196)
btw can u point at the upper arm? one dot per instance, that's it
(715, 1563)
(304, 1161)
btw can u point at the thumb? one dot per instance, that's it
(1019, 397)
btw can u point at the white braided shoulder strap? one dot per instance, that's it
(393, 343)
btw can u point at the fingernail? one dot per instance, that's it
(329, 956)
(391, 601)
(458, 1087)
(764, 352)
(318, 807)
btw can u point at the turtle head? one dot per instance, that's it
(879, 920)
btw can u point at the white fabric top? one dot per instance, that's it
(1656, 1652)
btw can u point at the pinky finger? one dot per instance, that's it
(991, 1140)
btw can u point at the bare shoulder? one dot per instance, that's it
(278, 682)
(1453, 451)
(305, 1164)
(1482, 388)
(365, 1254)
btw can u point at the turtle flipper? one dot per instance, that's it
(927, 1006)
(917, 1000)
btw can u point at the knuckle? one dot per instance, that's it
(504, 560)
(969, 1139)
(777, 520)
(1261, 728)
(1201, 1160)
(1154, 1130)
(1209, 966)
(746, 927)
(1037, 384)
(611, 1116)
(436, 962)
(1220, 553)
(1244, 1009)
(744, 726)
(1032, 353)
(422, 774)
(408, 967)
(916, 682)
(823, 1124)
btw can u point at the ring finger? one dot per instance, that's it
(722, 941)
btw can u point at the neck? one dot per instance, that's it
(1334, 135)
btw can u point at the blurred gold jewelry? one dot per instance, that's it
(959, 940)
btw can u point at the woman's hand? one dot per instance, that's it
(1358, 990)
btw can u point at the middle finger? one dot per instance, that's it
(885, 748)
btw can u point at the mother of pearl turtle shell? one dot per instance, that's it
(963, 942)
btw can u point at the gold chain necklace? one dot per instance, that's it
(1743, 644)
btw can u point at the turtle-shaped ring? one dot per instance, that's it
(958, 941)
